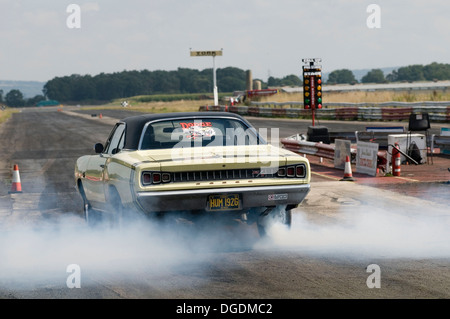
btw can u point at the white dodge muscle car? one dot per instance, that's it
(210, 164)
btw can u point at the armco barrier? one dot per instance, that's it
(297, 104)
(254, 111)
(346, 113)
(306, 147)
(302, 147)
(279, 112)
(400, 113)
(387, 111)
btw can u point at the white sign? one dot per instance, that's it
(341, 151)
(366, 158)
(309, 60)
(206, 53)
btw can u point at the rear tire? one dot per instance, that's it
(276, 215)
(117, 214)
(91, 216)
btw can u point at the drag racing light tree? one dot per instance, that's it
(312, 85)
(318, 91)
(306, 93)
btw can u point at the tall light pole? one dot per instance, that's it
(213, 54)
(216, 95)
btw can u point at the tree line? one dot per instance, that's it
(15, 98)
(77, 88)
(106, 87)
(412, 73)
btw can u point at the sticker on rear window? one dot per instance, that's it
(185, 125)
(196, 130)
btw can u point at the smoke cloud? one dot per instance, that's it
(39, 255)
(384, 230)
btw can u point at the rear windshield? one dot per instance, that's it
(198, 133)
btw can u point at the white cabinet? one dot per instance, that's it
(403, 140)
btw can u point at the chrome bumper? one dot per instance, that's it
(260, 196)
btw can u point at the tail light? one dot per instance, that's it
(292, 171)
(282, 172)
(166, 177)
(151, 178)
(300, 171)
(156, 178)
(146, 178)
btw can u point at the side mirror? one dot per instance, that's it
(98, 148)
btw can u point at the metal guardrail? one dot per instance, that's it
(299, 146)
(364, 87)
(306, 147)
(362, 104)
(437, 111)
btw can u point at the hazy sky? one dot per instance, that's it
(266, 36)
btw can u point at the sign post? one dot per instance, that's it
(366, 158)
(213, 54)
(312, 85)
(341, 151)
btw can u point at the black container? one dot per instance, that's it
(419, 122)
(318, 134)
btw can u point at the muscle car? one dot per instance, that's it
(213, 164)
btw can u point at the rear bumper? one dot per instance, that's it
(260, 196)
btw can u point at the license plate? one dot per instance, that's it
(224, 202)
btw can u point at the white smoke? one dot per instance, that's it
(41, 253)
(409, 228)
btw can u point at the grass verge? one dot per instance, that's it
(6, 114)
(156, 106)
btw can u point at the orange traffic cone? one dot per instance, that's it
(348, 170)
(16, 186)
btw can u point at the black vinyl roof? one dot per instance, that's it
(135, 124)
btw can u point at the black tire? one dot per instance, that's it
(86, 211)
(117, 215)
(91, 216)
(275, 215)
